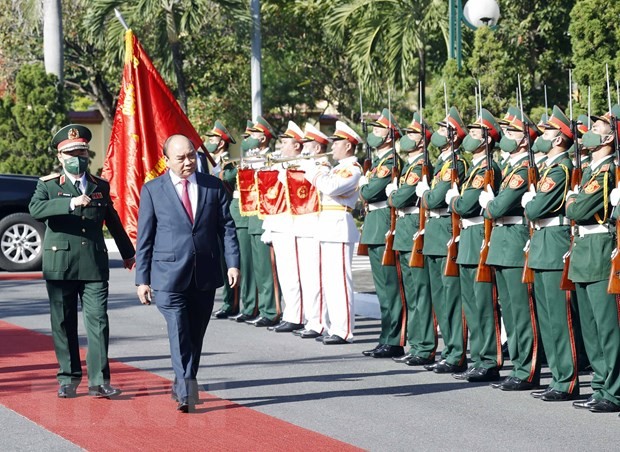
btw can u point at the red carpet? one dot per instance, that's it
(143, 417)
(6, 276)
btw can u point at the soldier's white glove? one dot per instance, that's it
(217, 169)
(363, 181)
(390, 188)
(614, 196)
(486, 196)
(453, 192)
(422, 187)
(570, 193)
(528, 195)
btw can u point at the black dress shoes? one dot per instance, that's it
(463, 375)
(241, 318)
(419, 361)
(585, 404)
(402, 359)
(554, 395)
(483, 374)
(308, 334)
(605, 406)
(67, 391)
(371, 352)
(430, 366)
(501, 382)
(389, 351)
(444, 367)
(538, 394)
(262, 322)
(288, 327)
(334, 340)
(516, 384)
(221, 314)
(104, 390)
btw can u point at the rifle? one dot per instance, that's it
(565, 282)
(362, 248)
(417, 257)
(452, 269)
(532, 178)
(614, 275)
(389, 256)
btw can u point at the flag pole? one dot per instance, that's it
(119, 16)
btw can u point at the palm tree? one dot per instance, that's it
(388, 40)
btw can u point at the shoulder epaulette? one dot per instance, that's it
(96, 178)
(605, 168)
(49, 177)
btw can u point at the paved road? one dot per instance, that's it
(375, 404)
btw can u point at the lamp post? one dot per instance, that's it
(475, 14)
(255, 64)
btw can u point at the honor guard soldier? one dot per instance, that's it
(219, 139)
(74, 204)
(504, 123)
(540, 156)
(478, 297)
(590, 265)
(508, 240)
(583, 125)
(445, 290)
(421, 328)
(545, 209)
(263, 261)
(337, 234)
(305, 227)
(376, 226)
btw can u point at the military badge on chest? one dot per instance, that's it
(96, 195)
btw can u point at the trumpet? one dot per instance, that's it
(299, 157)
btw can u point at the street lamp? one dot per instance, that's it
(475, 14)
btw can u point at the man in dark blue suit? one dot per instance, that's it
(182, 216)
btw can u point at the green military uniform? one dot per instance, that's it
(75, 264)
(589, 270)
(421, 330)
(549, 244)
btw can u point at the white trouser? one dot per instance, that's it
(310, 277)
(287, 264)
(337, 284)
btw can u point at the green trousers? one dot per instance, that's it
(247, 289)
(553, 309)
(63, 296)
(229, 296)
(263, 275)
(598, 313)
(518, 311)
(446, 299)
(483, 320)
(421, 330)
(387, 287)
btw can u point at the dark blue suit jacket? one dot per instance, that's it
(170, 250)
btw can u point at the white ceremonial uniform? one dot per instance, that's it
(337, 234)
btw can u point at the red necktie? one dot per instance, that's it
(185, 200)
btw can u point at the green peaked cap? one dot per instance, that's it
(509, 116)
(455, 121)
(220, 131)
(489, 122)
(518, 125)
(582, 124)
(416, 126)
(261, 125)
(387, 121)
(73, 136)
(559, 121)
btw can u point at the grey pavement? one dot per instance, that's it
(334, 390)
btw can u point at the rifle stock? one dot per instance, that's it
(417, 256)
(613, 286)
(362, 248)
(389, 256)
(452, 268)
(528, 274)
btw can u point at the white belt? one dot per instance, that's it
(555, 221)
(236, 194)
(437, 213)
(377, 205)
(592, 229)
(468, 222)
(508, 220)
(408, 210)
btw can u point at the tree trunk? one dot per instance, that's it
(53, 38)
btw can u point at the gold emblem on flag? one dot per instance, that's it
(302, 192)
(272, 193)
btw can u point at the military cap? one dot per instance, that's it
(416, 126)
(487, 120)
(311, 133)
(543, 119)
(454, 121)
(220, 131)
(387, 121)
(293, 131)
(509, 116)
(559, 121)
(583, 124)
(615, 111)
(344, 132)
(72, 137)
(261, 125)
(518, 125)
(248, 129)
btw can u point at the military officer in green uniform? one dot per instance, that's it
(544, 208)
(509, 237)
(74, 204)
(445, 290)
(376, 226)
(421, 330)
(263, 264)
(590, 266)
(247, 289)
(478, 297)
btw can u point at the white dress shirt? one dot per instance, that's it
(192, 189)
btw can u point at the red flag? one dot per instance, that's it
(146, 115)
